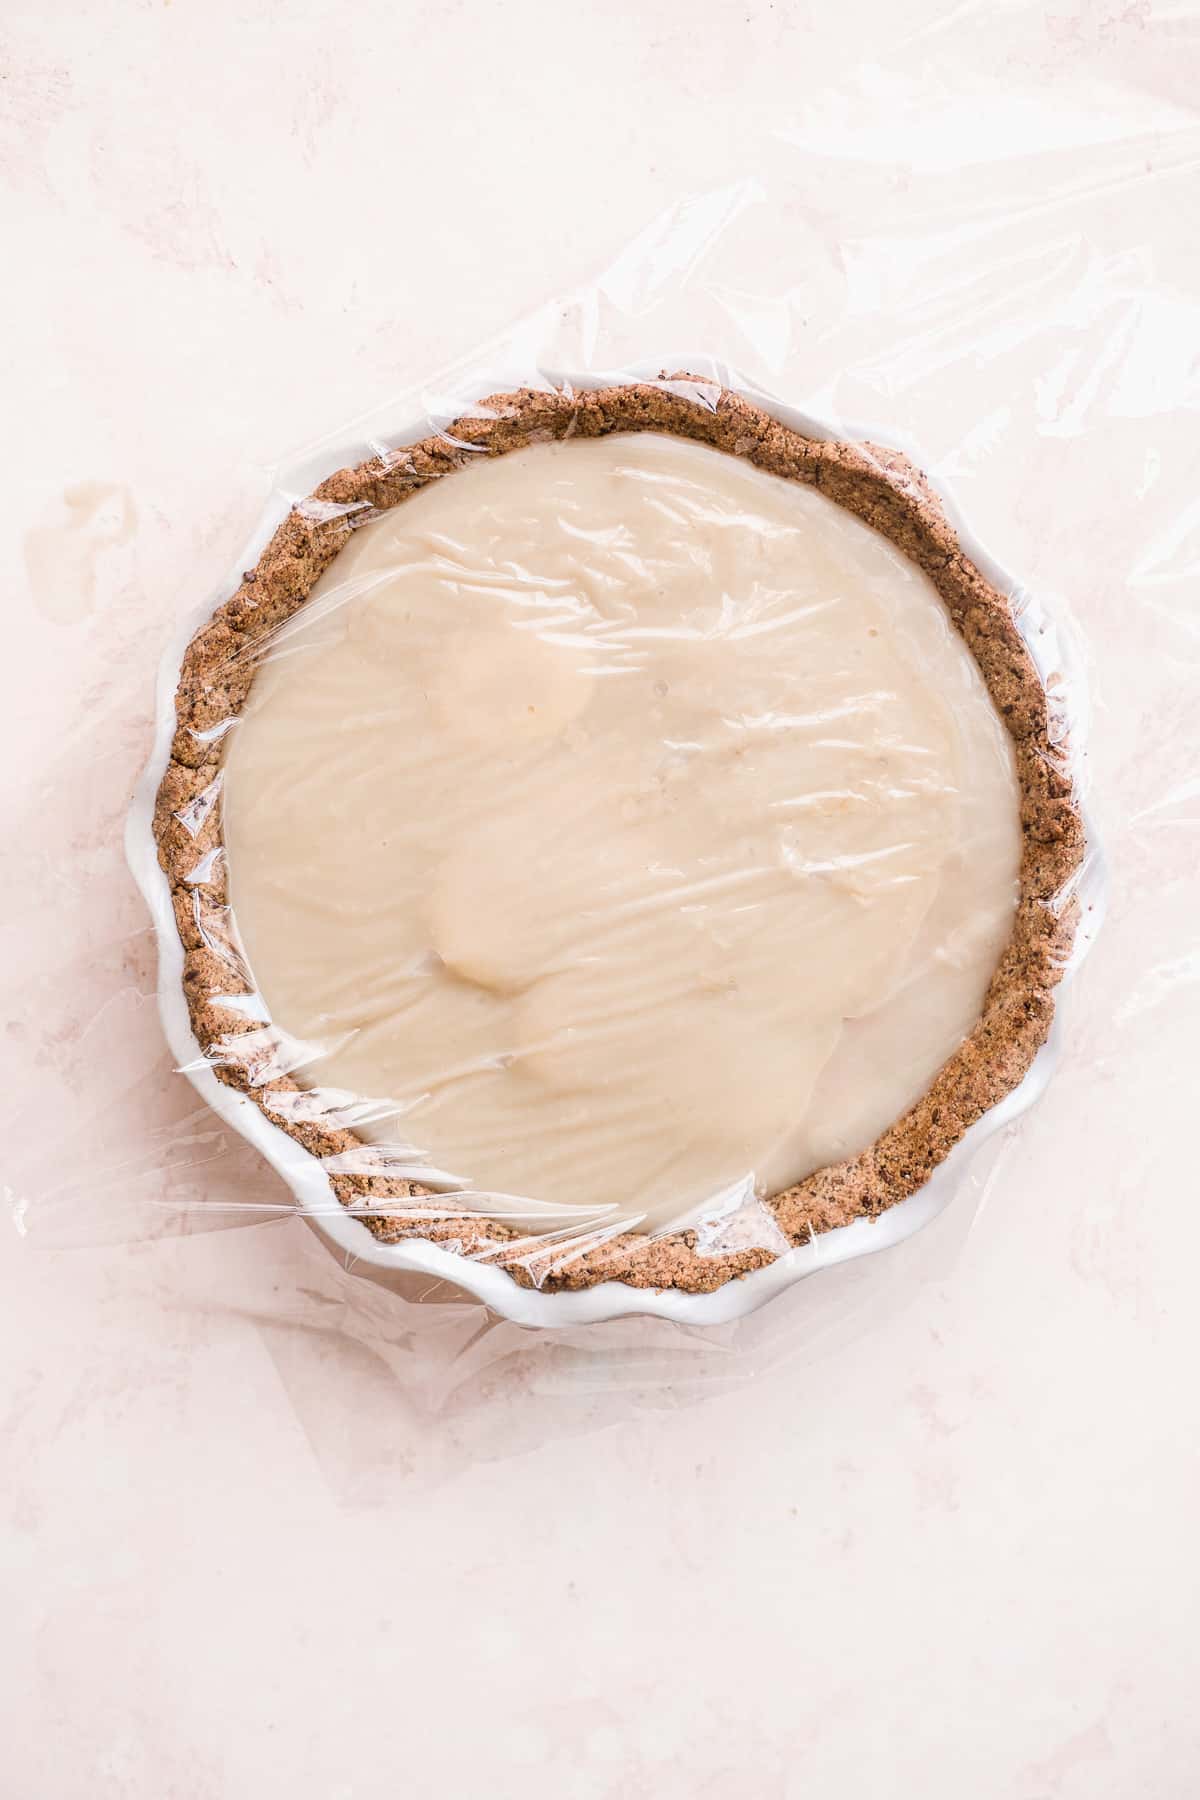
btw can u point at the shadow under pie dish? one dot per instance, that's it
(671, 792)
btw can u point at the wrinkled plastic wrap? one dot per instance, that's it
(982, 326)
(619, 834)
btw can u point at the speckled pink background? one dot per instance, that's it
(927, 1525)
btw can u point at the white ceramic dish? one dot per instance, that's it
(396, 1263)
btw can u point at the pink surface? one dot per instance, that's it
(926, 1524)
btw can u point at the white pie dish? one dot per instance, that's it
(396, 1263)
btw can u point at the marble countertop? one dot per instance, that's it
(926, 1525)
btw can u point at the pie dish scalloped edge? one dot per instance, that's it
(348, 1237)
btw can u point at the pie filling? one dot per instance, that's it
(619, 828)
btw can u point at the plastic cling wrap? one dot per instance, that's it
(617, 832)
(1011, 309)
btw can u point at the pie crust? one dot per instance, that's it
(879, 486)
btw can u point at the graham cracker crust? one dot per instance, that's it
(878, 485)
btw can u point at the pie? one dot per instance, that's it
(621, 836)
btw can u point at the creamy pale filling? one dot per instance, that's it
(632, 827)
